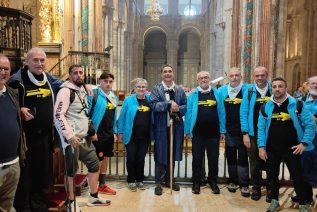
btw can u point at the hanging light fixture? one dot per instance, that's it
(154, 11)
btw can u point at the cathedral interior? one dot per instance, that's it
(135, 38)
(191, 35)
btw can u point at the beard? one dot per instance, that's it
(79, 83)
(313, 92)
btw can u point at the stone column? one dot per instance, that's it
(84, 25)
(172, 50)
(282, 40)
(247, 53)
(235, 33)
(227, 29)
(264, 53)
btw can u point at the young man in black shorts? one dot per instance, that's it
(103, 113)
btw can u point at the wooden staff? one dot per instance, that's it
(171, 155)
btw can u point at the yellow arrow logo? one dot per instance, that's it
(233, 101)
(263, 100)
(110, 106)
(143, 108)
(281, 116)
(41, 92)
(207, 103)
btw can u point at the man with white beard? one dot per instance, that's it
(308, 158)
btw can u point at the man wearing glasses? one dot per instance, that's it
(72, 121)
(103, 113)
(205, 124)
(12, 142)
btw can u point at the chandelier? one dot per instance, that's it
(154, 11)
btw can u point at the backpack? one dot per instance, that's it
(94, 100)
(299, 108)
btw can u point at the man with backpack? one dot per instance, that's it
(309, 158)
(236, 152)
(103, 113)
(284, 133)
(72, 122)
(253, 98)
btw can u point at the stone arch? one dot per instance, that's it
(154, 53)
(152, 28)
(189, 56)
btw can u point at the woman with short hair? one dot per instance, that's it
(134, 129)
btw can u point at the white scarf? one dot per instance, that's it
(3, 90)
(262, 91)
(167, 97)
(233, 92)
(111, 97)
(35, 81)
(279, 103)
(204, 91)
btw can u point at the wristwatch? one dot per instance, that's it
(244, 133)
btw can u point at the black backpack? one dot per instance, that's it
(94, 100)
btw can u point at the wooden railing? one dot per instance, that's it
(15, 34)
(92, 62)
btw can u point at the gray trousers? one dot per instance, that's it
(9, 178)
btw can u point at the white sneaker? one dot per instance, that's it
(73, 207)
(92, 201)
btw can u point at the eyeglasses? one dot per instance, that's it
(5, 69)
(141, 87)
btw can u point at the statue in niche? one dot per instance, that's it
(45, 18)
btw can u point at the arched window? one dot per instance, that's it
(163, 3)
(189, 7)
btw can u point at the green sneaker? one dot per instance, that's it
(132, 187)
(304, 208)
(141, 185)
(274, 206)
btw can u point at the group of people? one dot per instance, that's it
(260, 123)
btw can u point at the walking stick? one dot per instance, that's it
(171, 155)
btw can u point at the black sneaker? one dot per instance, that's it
(232, 188)
(245, 192)
(256, 193)
(214, 187)
(296, 200)
(268, 198)
(175, 186)
(158, 190)
(196, 188)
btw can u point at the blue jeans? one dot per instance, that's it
(198, 147)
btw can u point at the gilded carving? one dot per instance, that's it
(4, 3)
(45, 17)
(57, 21)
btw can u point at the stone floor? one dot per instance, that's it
(184, 200)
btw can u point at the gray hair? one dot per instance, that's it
(310, 78)
(34, 49)
(202, 72)
(135, 81)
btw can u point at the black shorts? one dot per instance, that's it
(104, 148)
